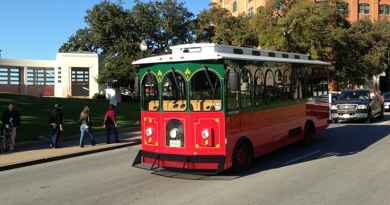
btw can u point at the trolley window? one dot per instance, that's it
(206, 91)
(150, 97)
(174, 92)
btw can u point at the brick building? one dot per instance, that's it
(357, 9)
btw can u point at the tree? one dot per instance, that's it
(163, 23)
(115, 34)
(80, 41)
(219, 26)
(362, 51)
(111, 32)
(299, 26)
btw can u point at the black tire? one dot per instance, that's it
(6, 144)
(242, 156)
(382, 115)
(370, 118)
(309, 134)
(2, 144)
(335, 120)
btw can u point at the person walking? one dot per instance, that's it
(10, 120)
(85, 126)
(56, 124)
(110, 124)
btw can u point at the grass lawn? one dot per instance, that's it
(34, 113)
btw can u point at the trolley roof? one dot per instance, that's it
(212, 51)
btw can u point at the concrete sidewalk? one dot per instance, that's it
(40, 152)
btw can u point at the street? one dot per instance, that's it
(347, 164)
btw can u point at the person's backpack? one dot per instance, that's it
(109, 119)
(53, 116)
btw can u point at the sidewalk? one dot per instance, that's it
(40, 152)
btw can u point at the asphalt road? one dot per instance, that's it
(348, 164)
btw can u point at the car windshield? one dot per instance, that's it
(386, 95)
(354, 95)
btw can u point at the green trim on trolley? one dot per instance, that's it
(187, 70)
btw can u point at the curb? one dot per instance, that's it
(71, 137)
(67, 156)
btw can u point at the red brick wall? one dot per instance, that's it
(374, 10)
(47, 90)
(10, 89)
(38, 91)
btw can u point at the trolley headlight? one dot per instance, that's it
(362, 107)
(173, 133)
(149, 132)
(333, 107)
(205, 134)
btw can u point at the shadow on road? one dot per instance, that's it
(338, 140)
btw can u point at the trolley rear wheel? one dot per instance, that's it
(242, 156)
(309, 134)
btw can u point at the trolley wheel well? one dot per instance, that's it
(243, 140)
(241, 163)
(309, 132)
(310, 125)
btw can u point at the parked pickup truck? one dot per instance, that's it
(356, 105)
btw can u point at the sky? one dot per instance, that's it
(35, 29)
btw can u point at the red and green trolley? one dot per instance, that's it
(210, 107)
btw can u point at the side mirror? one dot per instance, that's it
(234, 81)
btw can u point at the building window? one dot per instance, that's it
(234, 6)
(387, 10)
(343, 8)
(40, 76)
(384, 9)
(364, 8)
(9, 76)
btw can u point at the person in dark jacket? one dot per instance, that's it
(110, 124)
(10, 120)
(85, 126)
(56, 124)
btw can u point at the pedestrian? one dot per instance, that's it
(85, 126)
(110, 124)
(10, 120)
(56, 124)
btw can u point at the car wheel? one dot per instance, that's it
(370, 118)
(242, 157)
(382, 115)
